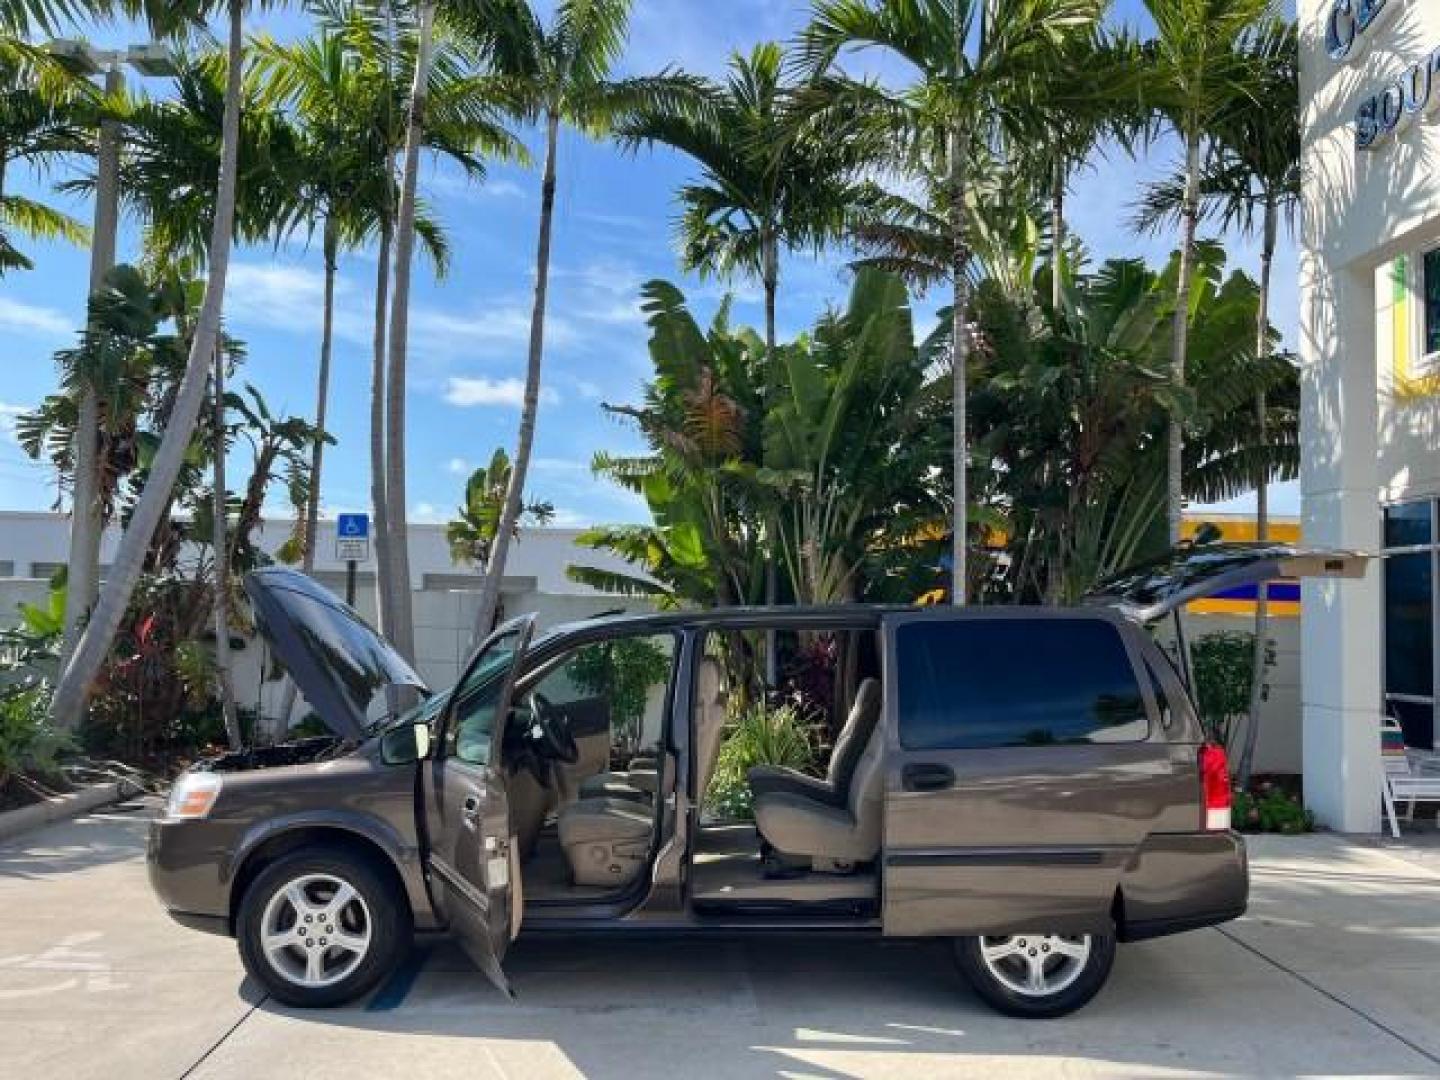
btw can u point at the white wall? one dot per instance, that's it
(445, 596)
(1361, 208)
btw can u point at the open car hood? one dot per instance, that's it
(336, 659)
(1155, 589)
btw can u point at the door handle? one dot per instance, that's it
(470, 808)
(927, 776)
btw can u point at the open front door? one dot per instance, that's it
(473, 858)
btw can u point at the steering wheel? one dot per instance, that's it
(552, 731)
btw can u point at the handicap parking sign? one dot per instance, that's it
(352, 538)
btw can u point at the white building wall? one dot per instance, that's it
(445, 595)
(1361, 445)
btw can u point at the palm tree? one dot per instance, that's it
(40, 122)
(402, 627)
(94, 644)
(471, 533)
(1197, 70)
(763, 190)
(554, 76)
(974, 60)
(336, 85)
(1250, 181)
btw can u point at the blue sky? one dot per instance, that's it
(469, 331)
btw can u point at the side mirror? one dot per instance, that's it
(406, 744)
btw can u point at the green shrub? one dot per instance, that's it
(758, 736)
(1271, 809)
(1224, 666)
(29, 745)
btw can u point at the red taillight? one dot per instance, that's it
(1215, 787)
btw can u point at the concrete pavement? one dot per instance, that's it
(1334, 972)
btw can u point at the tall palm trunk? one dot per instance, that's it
(959, 320)
(959, 359)
(99, 633)
(322, 395)
(1057, 231)
(384, 601)
(771, 273)
(219, 512)
(1189, 222)
(402, 629)
(86, 524)
(510, 514)
(1262, 498)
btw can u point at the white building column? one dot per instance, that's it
(1341, 628)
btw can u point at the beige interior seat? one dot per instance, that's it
(709, 723)
(831, 838)
(637, 783)
(606, 841)
(834, 790)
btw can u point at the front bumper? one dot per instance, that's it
(186, 861)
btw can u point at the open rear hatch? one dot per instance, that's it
(1153, 590)
(336, 659)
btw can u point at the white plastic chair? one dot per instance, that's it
(1401, 781)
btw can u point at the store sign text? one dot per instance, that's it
(1413, 94)
(1350, 21)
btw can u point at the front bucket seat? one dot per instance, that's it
(606, 841)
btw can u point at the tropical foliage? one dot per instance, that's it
(1071, 409)
(471, 533)
(759, 734)
(1037, 432)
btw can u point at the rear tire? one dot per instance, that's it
(1036, 976)
(321, 928)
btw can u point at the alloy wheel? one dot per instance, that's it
(315, 930)
(1035, 965)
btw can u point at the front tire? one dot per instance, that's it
(1036, 976)
(321, 928)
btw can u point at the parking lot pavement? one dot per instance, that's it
(1332, 973)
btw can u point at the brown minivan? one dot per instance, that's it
(1030, 782)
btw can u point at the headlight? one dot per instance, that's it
(193, 795)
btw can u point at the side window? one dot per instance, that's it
(984, 683)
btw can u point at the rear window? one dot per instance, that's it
(981, 683)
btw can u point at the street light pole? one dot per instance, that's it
(86, 524)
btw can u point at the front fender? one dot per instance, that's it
(401, 852)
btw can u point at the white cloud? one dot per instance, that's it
(33, 320)
(425, 513)
(560, 465)
(566, 518)
(8, 415)
(499, 326)
(279, 296)
(457, 184)
(276, 296)
(467, 392)
(457, 466)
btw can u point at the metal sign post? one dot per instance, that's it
(352, 546)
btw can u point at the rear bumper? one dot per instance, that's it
(1183, 881)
